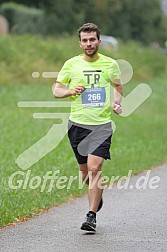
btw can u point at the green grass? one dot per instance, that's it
(138, 143)
(22, 55)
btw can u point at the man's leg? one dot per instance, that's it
(94, 165)
(84, 172)
(94, 192)
(85, 177)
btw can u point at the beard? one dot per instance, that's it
(92, 51)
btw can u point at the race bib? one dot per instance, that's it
(94, 97)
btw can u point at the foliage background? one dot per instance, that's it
(142, 20)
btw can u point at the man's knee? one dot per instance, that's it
(84, 173)
(94, 165)
(85, 176)
(94, 171)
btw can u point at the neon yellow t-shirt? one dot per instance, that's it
(93, 106)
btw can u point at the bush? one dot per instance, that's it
(23, 19)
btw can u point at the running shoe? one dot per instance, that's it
(90, 223)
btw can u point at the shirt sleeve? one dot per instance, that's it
(64, 76)
(114, 71)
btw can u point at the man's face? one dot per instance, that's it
(89, 43)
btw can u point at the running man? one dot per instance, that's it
(87, 80)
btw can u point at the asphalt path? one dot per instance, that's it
(130, 220)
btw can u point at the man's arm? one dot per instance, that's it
(60, 90)
(118, 92)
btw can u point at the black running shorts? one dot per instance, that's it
(90, 139)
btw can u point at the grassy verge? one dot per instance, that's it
(138, 143)
(22, 55)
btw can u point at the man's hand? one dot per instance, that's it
(78, 90)
(117, 108)
(60, 91)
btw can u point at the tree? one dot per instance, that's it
(141, 20)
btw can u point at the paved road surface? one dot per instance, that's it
(131, 220)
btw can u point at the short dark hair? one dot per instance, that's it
(89, 27)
